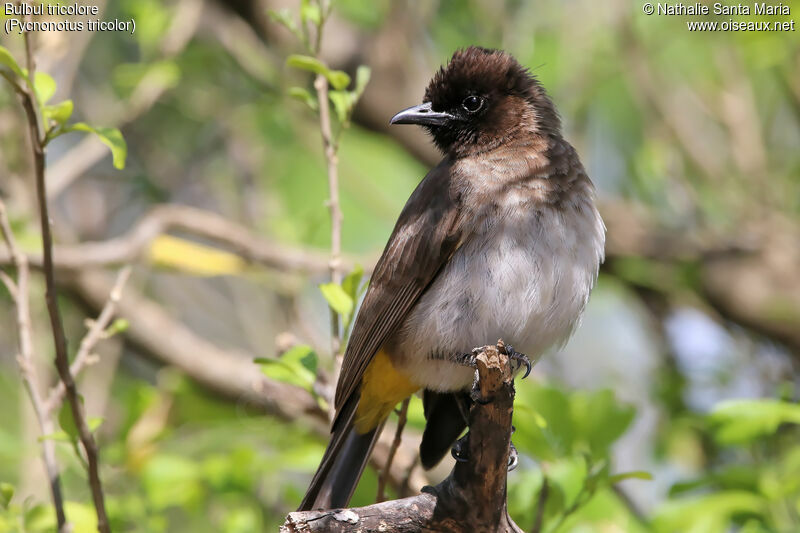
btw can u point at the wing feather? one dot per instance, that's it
(427, 233)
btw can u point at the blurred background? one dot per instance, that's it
(682, 380)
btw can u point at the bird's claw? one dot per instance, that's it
(459, 449)
(513, 456)
(469, 359)
(461, 455)
(520, 359)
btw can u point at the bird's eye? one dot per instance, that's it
(472, 103)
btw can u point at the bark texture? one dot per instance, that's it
(472, 498)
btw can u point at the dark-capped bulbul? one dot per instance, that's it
(501, 240)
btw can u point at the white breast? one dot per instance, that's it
(525, 277)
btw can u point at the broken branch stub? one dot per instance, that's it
(472, 498)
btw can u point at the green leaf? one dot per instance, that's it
(338, 79)
(8, 60)
(636, 474)
(599, 419)
(303, 355)
(305, 96)
(711, 512)
(309, 63)
(337, 298)
(743, 421)
(111, 137)
(363, 74)
(284, 18)
(59, 436)
(352, 281)
(298, 367)
(311, 12)
(6, 493)
(44, 86)
(59, 113)
(341, 104)
(66, 421)
(546, 430)
(120, 325)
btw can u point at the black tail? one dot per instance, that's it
(446, 416)
(343, 463)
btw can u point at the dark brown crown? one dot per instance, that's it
(491, 72)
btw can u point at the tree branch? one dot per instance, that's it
(25, 359)
(331, 149)
(30, 106)
(134, 244)
(93, 336)
(472, 498)
(229, 373)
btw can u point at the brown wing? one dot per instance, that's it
(425, 236)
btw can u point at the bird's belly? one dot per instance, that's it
(526, 280)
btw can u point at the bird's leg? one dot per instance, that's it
(469, 359)
(459, 451)
(520, 359)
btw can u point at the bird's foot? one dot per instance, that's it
(460, 452)
(513, 456)
(469, 359)
(459, 449)
(519, 358)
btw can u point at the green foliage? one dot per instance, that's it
(58, 113)
(745, 421)
(7, 60)
(6, 493)
(738, 468)
(305, 96)
(343, 298)
(564, 423)
(44, 86)
(297, 366)
(56, 116)
(111, 137)
(338, 79)
(120, 325)
(337, 298)
(572, 434)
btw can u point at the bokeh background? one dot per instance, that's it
(687, 363)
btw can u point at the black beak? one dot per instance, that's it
(421, 114)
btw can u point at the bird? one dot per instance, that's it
(501, 240)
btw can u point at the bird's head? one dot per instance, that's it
(483, 98)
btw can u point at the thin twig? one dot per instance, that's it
(93, 336)
(25, 359)
(540, 505)
(402, 416)
(59, 337)
(9, 283)
(332, 160)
